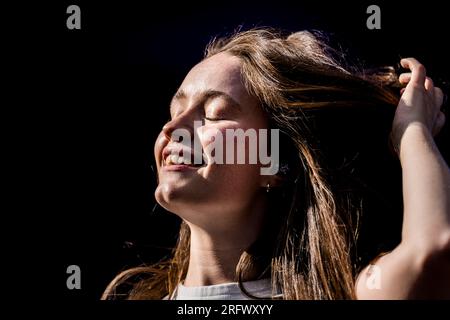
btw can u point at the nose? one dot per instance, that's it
(184, 121)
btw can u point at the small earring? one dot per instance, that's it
(268, 187)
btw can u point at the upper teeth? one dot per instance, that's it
(175, 159)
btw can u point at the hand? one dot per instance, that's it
(419, 104)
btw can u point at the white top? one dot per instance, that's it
(227, 291)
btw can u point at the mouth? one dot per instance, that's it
(174, 159)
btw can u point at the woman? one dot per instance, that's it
(289, 235)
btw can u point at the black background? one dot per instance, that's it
(100, 95)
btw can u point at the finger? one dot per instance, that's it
(418, 70)
(404, 78)
(429, 85)
(439, 124)
(438, 96)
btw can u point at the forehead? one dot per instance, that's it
(221, 72)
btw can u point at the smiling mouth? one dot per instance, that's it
(186, 161)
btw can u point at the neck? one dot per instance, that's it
(215, 252)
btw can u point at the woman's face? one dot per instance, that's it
(211, 99)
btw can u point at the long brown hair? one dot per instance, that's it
(306, 246)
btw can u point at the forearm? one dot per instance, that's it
(418, 267)
(426, 188)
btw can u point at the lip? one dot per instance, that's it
(173, 149)
(179, 167)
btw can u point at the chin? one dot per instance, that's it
(187, 202)
(173, 196)
(166, 194)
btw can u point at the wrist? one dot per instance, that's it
(415, 137)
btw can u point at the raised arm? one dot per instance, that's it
(420, 266)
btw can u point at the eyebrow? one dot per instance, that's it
(209, 95)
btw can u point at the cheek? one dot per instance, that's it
(233, 176)
(232, 144)
(227, 144)
(234, 185)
